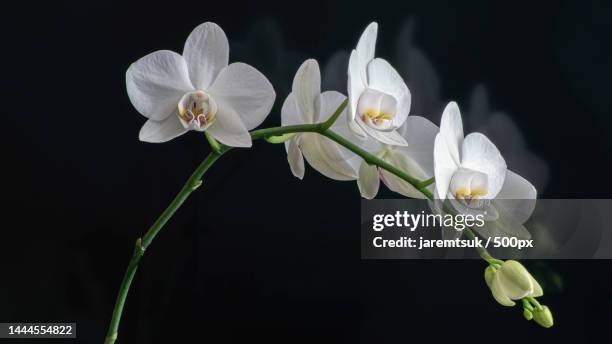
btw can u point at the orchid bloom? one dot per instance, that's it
(415, 159)
(379, 100)
(471, 172)
(307, 105)
(199, 91)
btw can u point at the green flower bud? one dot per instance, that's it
(527, 314)
(543, 317)
(511, 282)
(489, 274)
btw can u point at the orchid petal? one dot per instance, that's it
(330, 101)
(228, 128)
(295, 158)
(383, 77)
(451, 130)
(207, 53)
(290, 113)
(247, 91)
(407, 165)
(161, 131)
(389, 137)
(444, 166)
(326, 157)
(480, 154)
(156, 82)
(420, 134)
(306, 87)
(356, 128)
(369, 180)
(356, 85)
(517, 197)
(365, 49)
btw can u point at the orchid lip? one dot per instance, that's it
(470, 187)
(377, 109)
(197, 110)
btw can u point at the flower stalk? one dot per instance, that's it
(194, 181)
(272, 135)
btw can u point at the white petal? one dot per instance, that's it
(451, 129)
(408, 165)
(503, 226)
(444, 166)
(356, 128)
(290, 113)
(229, 129)
(389, 137)
(156, 83)
(383, 77)
(207, 53)
(342, 128)
(368, 181)
(330, 101)
(306, 88)
(516, 198)
(326, 157)
(295, 158)
(480, 154)
(365, 48)
(246, 90)
(356, 83)
(517, 187)
(161, 131)
(420, 134)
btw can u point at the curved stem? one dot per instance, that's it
(218, 150)
(192, 184)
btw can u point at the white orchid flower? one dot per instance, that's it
(199, 91)
(307, 105)
(379, 100)
(472, 174)
(415, 159)
(467, 169)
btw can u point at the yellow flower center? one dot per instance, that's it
(197, 110)
(377, 109)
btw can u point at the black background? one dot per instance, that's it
(256, 254)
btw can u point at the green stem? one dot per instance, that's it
(526, 304)
(330, 121)
(427, 182)
(214, 145)
(195, 181)
(374, 160)
(534, 302)
(191, 185)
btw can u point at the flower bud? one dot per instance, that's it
(543, 317)
(511, 282)
(527, 314)
(489, 275)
